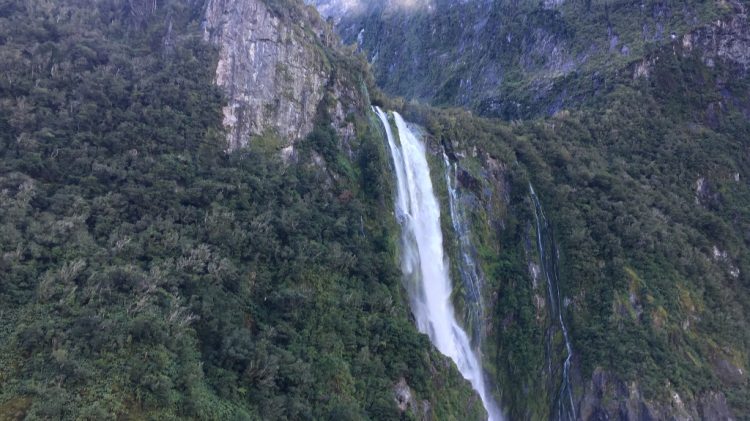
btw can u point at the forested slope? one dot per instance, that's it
(147, 274)
(510, 59)
(647, 193)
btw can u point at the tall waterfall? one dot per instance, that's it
(471, 275)
(423, 261)
(564, 406)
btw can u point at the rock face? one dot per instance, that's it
(503, 59)
(407, 403)
(606, 397)
(272, 72)
(727, 39)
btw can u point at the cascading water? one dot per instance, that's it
(470, 272)
(564, 406)
(423, 261)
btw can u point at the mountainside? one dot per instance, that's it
(147, 274)
(511, 59)
(202, 217)
(645, 193)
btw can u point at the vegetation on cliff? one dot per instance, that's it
(647, 193)
(513, 59)
(147, 274)
(144, 271)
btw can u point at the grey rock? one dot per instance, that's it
(713, 406)
(407, 402)
(606, 397)
(272, 73)
(727, 39)
(404, 396)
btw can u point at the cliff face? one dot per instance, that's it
(507, 59)
(606, 397)
(654, 294)
(726, 39)
(272, 80)
(276, 70)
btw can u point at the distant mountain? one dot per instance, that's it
(511, 59)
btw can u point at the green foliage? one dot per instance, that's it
(515, 59)
(146, 274)
(647, 195)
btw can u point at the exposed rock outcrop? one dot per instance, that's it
(408, 403)
(274, 74)
(606, 397)
(727, 39)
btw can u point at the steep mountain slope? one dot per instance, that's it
(278, 63)
(197, 209)
(512, 59)
(147, 274)
(646, 195)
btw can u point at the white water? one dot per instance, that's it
(423, 262)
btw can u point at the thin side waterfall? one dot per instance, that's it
(471, 275)
(564, 406)
(423, 261)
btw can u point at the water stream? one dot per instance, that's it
(423, 261)
(564, 406)
(471, 274)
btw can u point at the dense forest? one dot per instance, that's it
(647, 194)
(147, 274)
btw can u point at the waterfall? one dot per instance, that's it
(564, 406)
(470, 272)
(423, 262)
